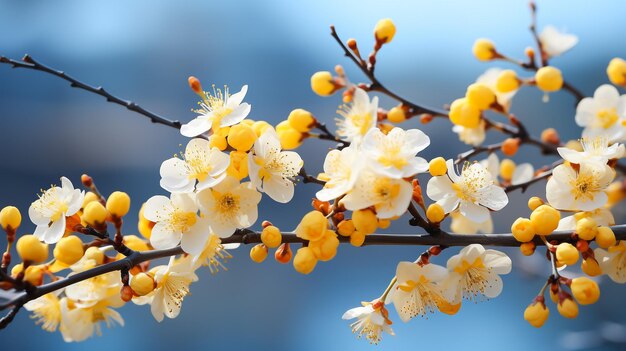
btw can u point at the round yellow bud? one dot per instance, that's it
(534, 202)
(271, 236)
(536, 314)
(585, 290)
(357, 238)
(568, 308)
(567, 254)
(304, 262)
(89, 197)
(68, 250)
(238, 166)
(345, 227)
(437, 167)
(523, 230)
(260, 127)
(34, 275)
(480, 96)
(527, 249)
(95, 254)
(545, 219)
(385, 30)
(94, 213)
(312, 226)
(142, 283)
(549, 79)
(396, 115)
(605, 237)
(507, 81)
(322, 83)
(484, 49)
(325, 249)
(258, 253)
(144, 225)
(241, 137)
(136, 243)
(591, 267)
(616, 70)
(464, 114)
(289, 138)
(301, 120)
(118, 204)
(435, 213)
(507, 168)
(384, 223)
(218, 141)
(365, 221)
(10, 217)
(586, 228)
(31, 249)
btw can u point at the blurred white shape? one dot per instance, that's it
(613, 332)
(580, 340)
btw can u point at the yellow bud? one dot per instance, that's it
(136, 243)
(17, 269)
(241, 137)
(435, 213)
(549, 79)
(437, 167)
(325, 249)
(218, 141)
(527, 249)
(301, 120)
(567, 254)
(304, 262)
(480, 96)
(616, 193)
(31, 249)
(523, 230)
(10, 217)
(95, 254)
(34, 275)
(357, 238)
(322, 83)
(605, 237)
(385, 30)
(586, 228)
(144, 226)
(507, 167)
(364, 221)
(585, 290)
(94, 214)
(616, 71)
(312, 226)
(484, 50)
(271, 236)
(142, 283)
(591, 267)
(534, 202)
(258, 253)
(89, 197)
(118, 204)
(260, 127)
(238, 166)
(345, 227)
(507, 81)
(396, 115)
(289, 137)
(68, 250)
(545, 219)
(464, 114)
(568, 308)
(384, 223)
(536, 314)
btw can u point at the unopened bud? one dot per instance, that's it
(550, 136)
(86, 180)
(194, 84)
(283, 254)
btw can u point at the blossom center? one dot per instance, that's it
(585, 186)
(607, 117)
(227, 204)
(180, 221)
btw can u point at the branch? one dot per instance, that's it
(29, 63)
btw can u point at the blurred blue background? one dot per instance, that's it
(145, 50)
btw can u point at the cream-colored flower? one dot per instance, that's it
(474, 272)
(555, 42)
(390, 197)
(49, 211)
(595, 150)
(46, 311)
(471, 136)
(80, 323)
(217, 110)
(394, 155)
(473, 192)
(199, 164)
(229, 205)
(177, 221)
(603, 114)
(523, 172)
(372, 321)
(341, 171)
(463, 225)
(271, 170)
(581, 190)
(602, 216)
(417, 291)
(613, 261)
(214, 255)
(357, 118)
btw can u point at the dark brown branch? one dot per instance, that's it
(28, 62)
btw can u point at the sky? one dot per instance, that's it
(145, 50)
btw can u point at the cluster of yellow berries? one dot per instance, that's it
(271, 238)
(543, 220)
(467, 111)
(363, 222)
(294, 129)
